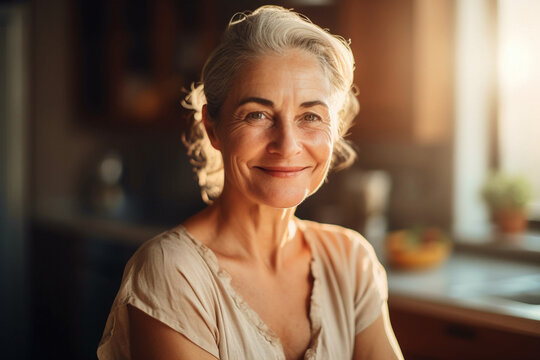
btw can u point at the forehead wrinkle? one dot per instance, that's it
(258, 85)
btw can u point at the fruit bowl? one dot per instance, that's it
(417, 248)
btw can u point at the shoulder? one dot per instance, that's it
(170, 248)
(170, 259)
(337, 240)
(169, 279)
(347, 253)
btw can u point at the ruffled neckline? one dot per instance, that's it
(314, 310)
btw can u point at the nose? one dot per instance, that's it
(284, 139)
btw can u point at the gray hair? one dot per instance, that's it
(267, 30)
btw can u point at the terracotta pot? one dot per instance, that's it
(511, 221)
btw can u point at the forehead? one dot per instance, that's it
(294, 75)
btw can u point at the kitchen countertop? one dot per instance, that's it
(474, 289)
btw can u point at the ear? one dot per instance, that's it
(210, 127)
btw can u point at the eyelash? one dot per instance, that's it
(259, 115)
(316, 117)
(252, 115)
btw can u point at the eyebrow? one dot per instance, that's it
(257, 100)
(308, 104)
(269, 103)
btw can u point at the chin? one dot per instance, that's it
(283, 198)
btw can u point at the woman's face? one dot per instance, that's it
(277, 129)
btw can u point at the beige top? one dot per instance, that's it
(177, 280)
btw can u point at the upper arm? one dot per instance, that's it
(152, 339)
(377, 341)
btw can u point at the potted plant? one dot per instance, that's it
(507, 198)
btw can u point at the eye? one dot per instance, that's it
(257, 115)
(310, 117)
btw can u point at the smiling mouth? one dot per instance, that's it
(282, 171)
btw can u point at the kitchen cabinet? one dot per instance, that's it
(471, 307)
(424, 336)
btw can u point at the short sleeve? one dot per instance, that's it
(371, 287)
(172, 286)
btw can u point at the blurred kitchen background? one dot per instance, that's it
(92, 162)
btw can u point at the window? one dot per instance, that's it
(497, 86)
(518, 52)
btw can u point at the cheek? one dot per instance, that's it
(321, 143)
(240, 142)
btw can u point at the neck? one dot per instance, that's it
(248, 230)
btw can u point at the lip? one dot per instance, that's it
(282, 171)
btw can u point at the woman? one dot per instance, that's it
(244, 278)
